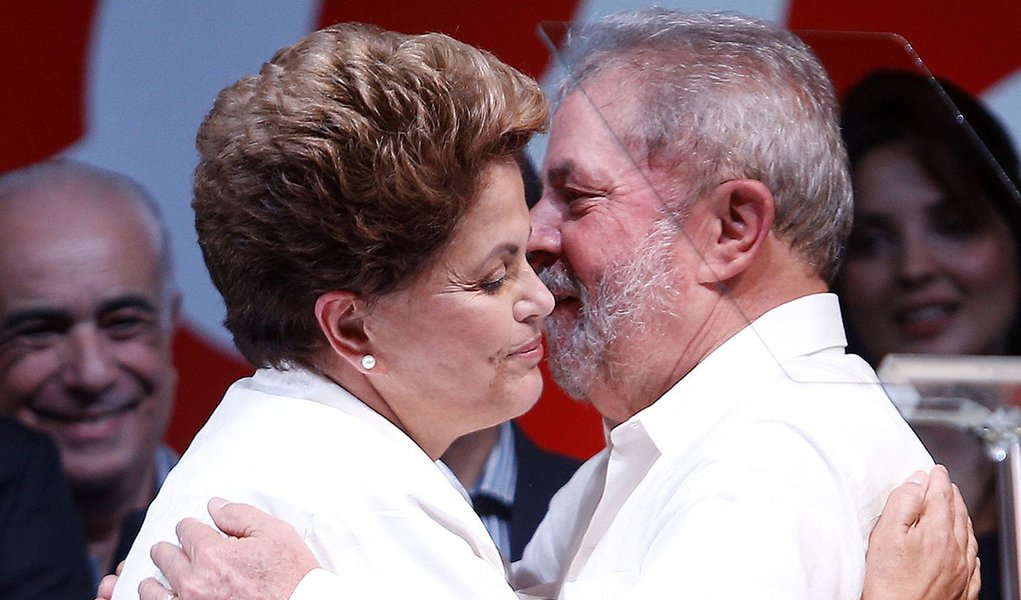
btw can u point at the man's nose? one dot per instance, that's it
(544, 245)
(88, 363)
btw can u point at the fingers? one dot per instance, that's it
(972, 541)
(904, 506)
(105, 591)
(192, 533)
(940, 485)
(172, 561)
(963, 532)
(150, 589)
(107, 583)
(975, 582)
(971, 545)
(239, 520)
(939, 506)
(961, 514)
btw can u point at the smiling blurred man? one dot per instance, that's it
(87, 309)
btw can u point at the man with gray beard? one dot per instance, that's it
(696, 202)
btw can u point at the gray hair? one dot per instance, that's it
(721, 97)
(54, 172)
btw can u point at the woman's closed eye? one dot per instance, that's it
(494, 282)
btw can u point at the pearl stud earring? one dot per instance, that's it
(368, 362)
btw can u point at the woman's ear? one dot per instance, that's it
(340, 315)
(741, 212)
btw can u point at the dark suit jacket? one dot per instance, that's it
(989, 554)
(540, 475)
(42, 548)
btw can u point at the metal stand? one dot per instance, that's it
(979, 395)
(1008, 475)
(999, 431)
(1000, 434)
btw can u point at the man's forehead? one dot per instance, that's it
(607, 96)
(57, 263)
(585, 123)
(597, 159)
(58, 281)
(43, 217)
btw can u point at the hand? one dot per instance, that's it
(262, 557)
(106, 584)
(923, 547)
(150, 589)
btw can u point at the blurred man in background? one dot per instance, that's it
(87, 310)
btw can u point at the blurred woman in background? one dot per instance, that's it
(932, 265)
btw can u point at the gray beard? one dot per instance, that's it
(577, 352)
(631, 292)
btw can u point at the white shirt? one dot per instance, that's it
(367, 500)
(759, 475)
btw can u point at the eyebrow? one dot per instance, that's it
(500, 250)
(557, 175)
(506, 248)
(33, 314)
(56, 314)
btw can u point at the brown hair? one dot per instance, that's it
(961, 145)
(346, 163)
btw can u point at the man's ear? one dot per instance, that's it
(741, 215)
(340, 315)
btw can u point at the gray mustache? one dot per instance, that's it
(559, 280)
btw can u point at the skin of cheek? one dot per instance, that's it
(143, 367)
(595, 241)
(503, 388)
(460, 368)
(21, 377)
